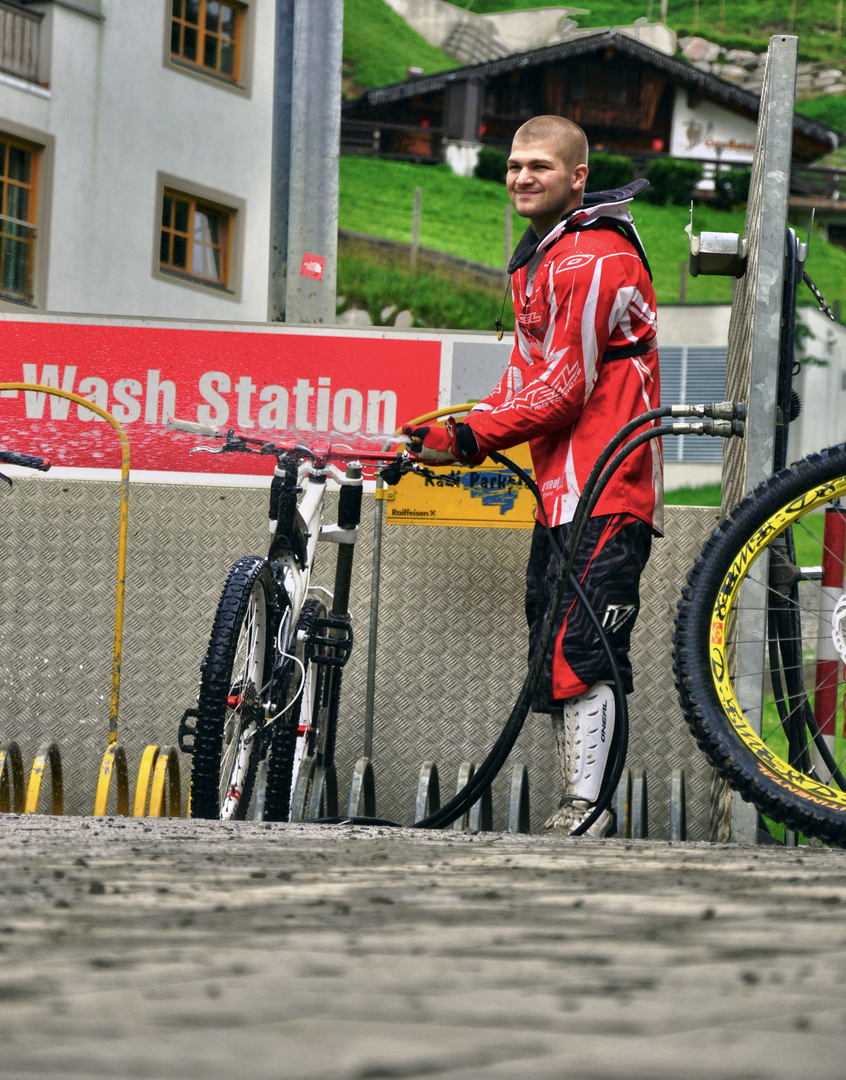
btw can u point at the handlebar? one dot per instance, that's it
(26, 461)
(386, 460)
(320, 450)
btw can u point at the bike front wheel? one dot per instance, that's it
(759, 645)
(231, 709)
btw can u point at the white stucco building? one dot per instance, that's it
(135, 142)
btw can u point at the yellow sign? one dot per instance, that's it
(488, 496)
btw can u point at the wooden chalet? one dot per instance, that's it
(629, 97)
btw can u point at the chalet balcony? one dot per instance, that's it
(399, 142)
(20, 30)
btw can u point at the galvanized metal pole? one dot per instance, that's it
(315, 148)
(753, 348)
(375, 579)
(283, 73)
(415, 228)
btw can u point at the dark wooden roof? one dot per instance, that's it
(679, 71)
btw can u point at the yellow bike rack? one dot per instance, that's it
(114, 759)
(161, 765)
(166, 792)
(12, 799)
(113, 765)
(124, 520)
(142, 784)
(48, 754)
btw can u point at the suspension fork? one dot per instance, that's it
(339, 624)
(349, 516)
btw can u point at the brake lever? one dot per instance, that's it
(427, 474)
(231, 446)
(403, 464)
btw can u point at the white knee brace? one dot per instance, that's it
(583, 729)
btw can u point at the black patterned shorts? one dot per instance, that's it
(611, 558)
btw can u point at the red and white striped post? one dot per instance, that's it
(829, 661)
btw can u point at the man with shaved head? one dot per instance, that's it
(584, 363)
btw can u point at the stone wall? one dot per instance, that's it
(746, 69)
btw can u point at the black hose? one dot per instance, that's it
(487, 771)
(621, 728)
(497, 756)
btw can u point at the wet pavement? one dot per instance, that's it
(178, 950)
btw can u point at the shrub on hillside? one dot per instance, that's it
(608, 171)
(492, 164)
(672, 180)
(731, 187)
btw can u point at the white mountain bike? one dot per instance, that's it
(262, 736)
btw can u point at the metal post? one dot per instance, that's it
(753, 348)
(315, 148)
(415, 227)
(370, 689)
(283, 72)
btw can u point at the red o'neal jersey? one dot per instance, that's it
(585, 291)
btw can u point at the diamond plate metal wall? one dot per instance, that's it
(452, 658)
(451, 655)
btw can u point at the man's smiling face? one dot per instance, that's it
(542, 186)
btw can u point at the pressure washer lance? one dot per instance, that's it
(26, 461)
(719, 419)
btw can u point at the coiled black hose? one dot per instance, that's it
(497, 756)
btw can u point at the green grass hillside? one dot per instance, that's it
(827, 108)
(466, 217)
(379, 47)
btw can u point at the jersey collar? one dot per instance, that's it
(611, 204)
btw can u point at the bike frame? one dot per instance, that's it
(294, 576)
(303, 673)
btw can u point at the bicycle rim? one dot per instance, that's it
(756, 591)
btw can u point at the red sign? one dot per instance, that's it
(260, 383)
(313, 266)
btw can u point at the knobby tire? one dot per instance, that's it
(773, 771)
(241, 640)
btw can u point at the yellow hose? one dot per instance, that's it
(450, 410)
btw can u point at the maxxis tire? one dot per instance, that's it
(748, 765)
(250, 575)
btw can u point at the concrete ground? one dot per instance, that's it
(177, 950)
